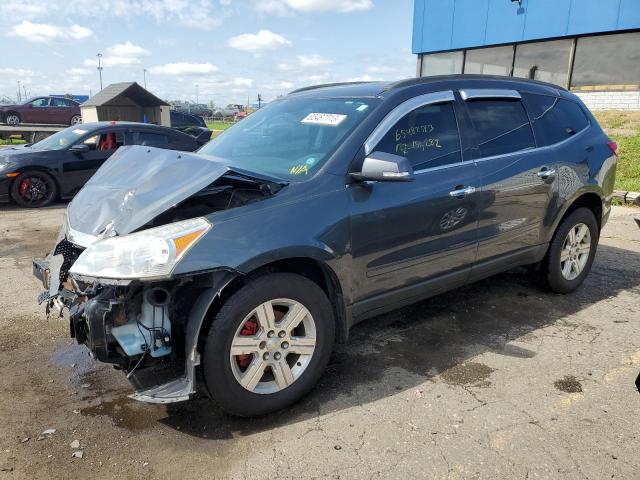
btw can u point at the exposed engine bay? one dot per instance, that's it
(135, 323)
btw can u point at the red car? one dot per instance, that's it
(47, 110)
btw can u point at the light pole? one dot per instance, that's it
(197, 100)
(19, 93)
(144, 72)
(100, 68)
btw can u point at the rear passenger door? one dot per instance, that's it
(412, 238)
(518, 181)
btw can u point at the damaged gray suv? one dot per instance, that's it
(234, 270)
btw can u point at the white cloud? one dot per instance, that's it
(184, 68)
(380, 69)
(78, 71)
(286, 85)
(258, 42)
(243, 82)
(43, 32)
(108, 61)
(364, 78)
(284, 7)
(18, 72)
(201, 14)
(127, 49)
(285, 67)
(313, 61)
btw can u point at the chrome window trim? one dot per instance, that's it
(486, 93)
(400, 111)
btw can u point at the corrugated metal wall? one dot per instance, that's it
(452, 24)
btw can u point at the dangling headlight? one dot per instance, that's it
(150, 254)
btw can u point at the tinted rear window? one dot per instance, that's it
(554, 119)
(152, 139)
(501, 126)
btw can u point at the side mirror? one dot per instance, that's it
(79, 148)
(384, 167)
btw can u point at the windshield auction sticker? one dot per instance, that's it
(330, 119)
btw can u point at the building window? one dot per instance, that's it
(489, 61)
(546, 61)
(607, 62)
(442, 64)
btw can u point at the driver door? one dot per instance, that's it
(79, 167)
(37, 112)
(414, 239)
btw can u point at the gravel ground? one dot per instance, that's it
(500, 379)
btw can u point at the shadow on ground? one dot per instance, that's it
(398, 351)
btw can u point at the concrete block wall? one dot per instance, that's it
(610, 100)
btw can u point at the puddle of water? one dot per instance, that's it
(467, 373)
(127, 413)
(568, 384)
(77, 357)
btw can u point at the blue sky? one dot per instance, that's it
(230, 49)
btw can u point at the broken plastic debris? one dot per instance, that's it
(75, 444)
(77, 454)
(49, 431)
(24, 440)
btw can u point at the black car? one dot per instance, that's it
(190, 124)
(59, 166)
(245, 262)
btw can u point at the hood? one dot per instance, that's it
(137, 184)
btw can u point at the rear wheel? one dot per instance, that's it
(268, 344)
(34, 189)
(572, 251)
(12, 119)
(75, 120)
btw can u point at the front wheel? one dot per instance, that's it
(34, 189)
(572, 251)
(268, 345)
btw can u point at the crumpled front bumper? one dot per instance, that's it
(92, 308)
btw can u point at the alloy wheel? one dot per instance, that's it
(35, 190)
(575, 251)
(12, 120)
(76, 120)
(273, 346)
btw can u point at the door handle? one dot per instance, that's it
(462, 192)
(547, 173)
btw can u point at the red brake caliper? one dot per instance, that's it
(249, 329)
(23, 186)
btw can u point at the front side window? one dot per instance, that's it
(442, 63)
(489, 61)
(554, 119)
(501, 126)
(290, 138)
(40, 102)
(546, 61)
(105, 141)
(427, 136)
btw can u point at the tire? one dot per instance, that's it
(76, 120)
(222, 378)
(34, 189)
(13, 119)
(565, 276)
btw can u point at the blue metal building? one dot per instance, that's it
(585, 45)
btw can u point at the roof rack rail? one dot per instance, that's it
(325, 85)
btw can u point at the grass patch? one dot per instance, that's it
(15, 141)
(624, 128)
(218, 125)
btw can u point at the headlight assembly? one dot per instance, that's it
(150, 254)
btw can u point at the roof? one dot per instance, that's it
(375, 89)
(89, 126)
(131, 90)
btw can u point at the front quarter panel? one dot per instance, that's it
(314, 226)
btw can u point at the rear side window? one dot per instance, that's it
(554, 119)
(427, 136)
(152, 139)
(501, 126)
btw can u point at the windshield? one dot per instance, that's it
(63, 139)
(290, 138)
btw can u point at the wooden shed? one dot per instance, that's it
(126, 101)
